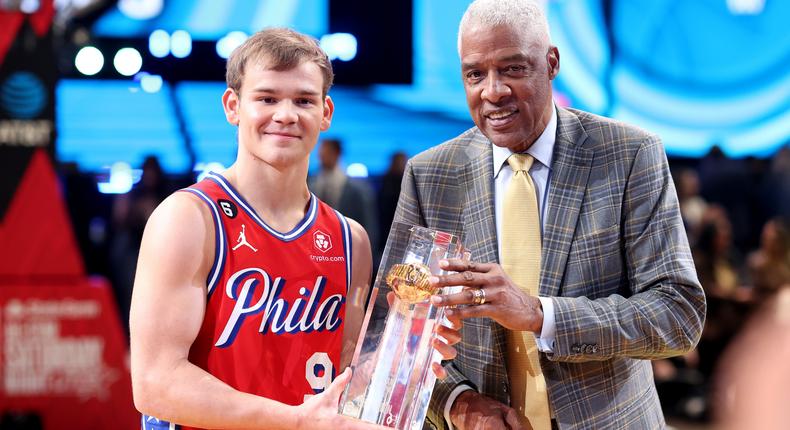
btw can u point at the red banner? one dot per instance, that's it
(63, 356)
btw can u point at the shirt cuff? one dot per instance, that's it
(450, 400)
(545, 339)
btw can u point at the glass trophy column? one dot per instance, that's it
(392, 380)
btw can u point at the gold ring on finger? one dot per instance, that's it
(478, 296)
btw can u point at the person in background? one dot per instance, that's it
(390, 190)
(130, 212)
(351, 197)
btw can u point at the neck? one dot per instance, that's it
(279, 195)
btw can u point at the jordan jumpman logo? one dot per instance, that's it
(242, 240)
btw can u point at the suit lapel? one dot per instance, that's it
(570, 171)
(477, 185)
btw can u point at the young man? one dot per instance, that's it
(249, 292)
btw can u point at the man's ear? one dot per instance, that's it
(553, 62)
(329, 110)
(230, 103)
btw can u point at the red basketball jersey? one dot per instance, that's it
(274, 316)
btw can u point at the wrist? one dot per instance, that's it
(537, 320)
(459, 407)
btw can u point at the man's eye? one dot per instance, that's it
(304, 101)
(473, 75)
(268, 99)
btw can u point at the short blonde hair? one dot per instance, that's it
(282, 49)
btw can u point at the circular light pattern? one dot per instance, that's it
(127, 61)
(151, 83)
(180, 44)
(342, 46)
(141, 9)
(159, 43)
(89, 61)
(229, 42)
(694, 85)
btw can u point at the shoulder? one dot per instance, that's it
(182, 222)
(607, 137)
(359, 237)
(453, 153)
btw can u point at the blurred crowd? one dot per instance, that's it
(736, 213)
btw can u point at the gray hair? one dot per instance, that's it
(526, 15)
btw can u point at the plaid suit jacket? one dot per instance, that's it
(615, 258)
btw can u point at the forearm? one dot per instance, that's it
(659, 323)
(188, 395)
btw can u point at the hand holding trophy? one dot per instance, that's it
(392, 380)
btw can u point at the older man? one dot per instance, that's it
(581, 269)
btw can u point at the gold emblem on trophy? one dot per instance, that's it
(410, 282)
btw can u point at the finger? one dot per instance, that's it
(390, 298)
(458, 265)
(475, 311)
(511, 419)
(466, 278)
(337, 386)
(451, 335)
(447, 352)
(438, 370)
(465, 297)
(455, 323)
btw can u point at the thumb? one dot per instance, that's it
(335, 389)
(511, 419)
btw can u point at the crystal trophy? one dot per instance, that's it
(392, 378)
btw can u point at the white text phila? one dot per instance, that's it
(310, 312)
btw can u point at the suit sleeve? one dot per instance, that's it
(663, 311)
(409, 212)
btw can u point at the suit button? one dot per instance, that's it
(589, 349)
(595, 349)
(576, 349)
(504, 388)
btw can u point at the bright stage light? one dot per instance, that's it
(357, 170)
(151, 83)
(127, 61)
(180, 44)
(141, 9)
(120, 180)
(89, 61)
(159, 43)
(229, 42)
(342, 46)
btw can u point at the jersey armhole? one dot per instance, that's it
(220, 247)
(347, 247)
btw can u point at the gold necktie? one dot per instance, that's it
(521, 246)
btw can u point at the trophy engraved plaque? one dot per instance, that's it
(392, 380)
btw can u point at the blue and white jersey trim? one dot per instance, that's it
(295, 233)
(219, 243)
(152, 423)
(346, 246)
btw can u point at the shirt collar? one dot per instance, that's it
(541, 150)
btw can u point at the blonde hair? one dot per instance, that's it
(282, 49)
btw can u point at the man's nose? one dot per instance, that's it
(494, 89)
(285, 113)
